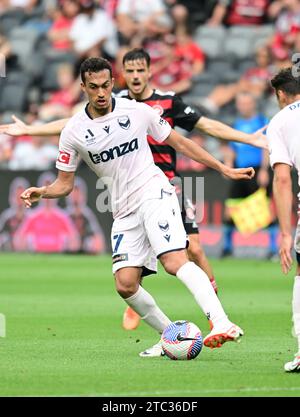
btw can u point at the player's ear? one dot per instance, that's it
(280, 94)
(82, 85)
(282, 99)
(112, 82)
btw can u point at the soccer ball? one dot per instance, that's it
(182, 340)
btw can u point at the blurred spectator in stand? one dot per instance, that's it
(240, 12)
(138, 20)
(59, 33)
(287, 28)
(5, 150)
(93, 32)
(194, 12)
(255, 80)
(37, 153)
(27, 5)
(7, 58)
(92, 239)
(110, 7)
(5, 47)
(60, 102)
(171, 72)
(188, 50)
(40, 17)
(240, 155)
(14, 215)
(141, 24)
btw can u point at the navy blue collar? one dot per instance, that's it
(113, 105)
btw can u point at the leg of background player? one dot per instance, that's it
(196, 254)
(294, 365)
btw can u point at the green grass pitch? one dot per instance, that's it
(64, 334)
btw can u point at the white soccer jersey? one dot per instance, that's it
(284, 137)
(115, 147)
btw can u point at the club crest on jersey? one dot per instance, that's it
(163, 225)
(124, 122)
(115, 152)
(159, 110)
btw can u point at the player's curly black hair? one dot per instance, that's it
(287, 81)
(94, 65)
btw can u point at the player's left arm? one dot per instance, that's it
(222, 131)
(61, 187)
(198, 154)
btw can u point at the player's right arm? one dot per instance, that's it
(198, 154)
(19, 128)
(222, 131)
(61, 187)
(161, 131)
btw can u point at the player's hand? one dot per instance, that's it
(259, 138)
(17, 128)
(239, 173)
(31, 195)
(285, 249)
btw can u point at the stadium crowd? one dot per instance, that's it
(210, 52)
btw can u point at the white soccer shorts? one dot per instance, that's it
(154, 229)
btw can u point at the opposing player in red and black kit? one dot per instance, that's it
(137, 74)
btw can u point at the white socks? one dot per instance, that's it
(144, 304)
(296, 308)
(199, 285)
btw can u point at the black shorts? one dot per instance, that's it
(189, 222)
(188, 212)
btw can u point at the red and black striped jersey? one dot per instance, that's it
(171, 108)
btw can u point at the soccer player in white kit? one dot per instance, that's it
(110, 135)
(284, 145)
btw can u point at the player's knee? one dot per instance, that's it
(126, 288)
(172, 265)
(125, 291)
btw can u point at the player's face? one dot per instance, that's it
(137, 75)
(98, 87)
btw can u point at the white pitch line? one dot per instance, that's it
(192, 393)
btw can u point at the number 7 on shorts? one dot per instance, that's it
(118, 239)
